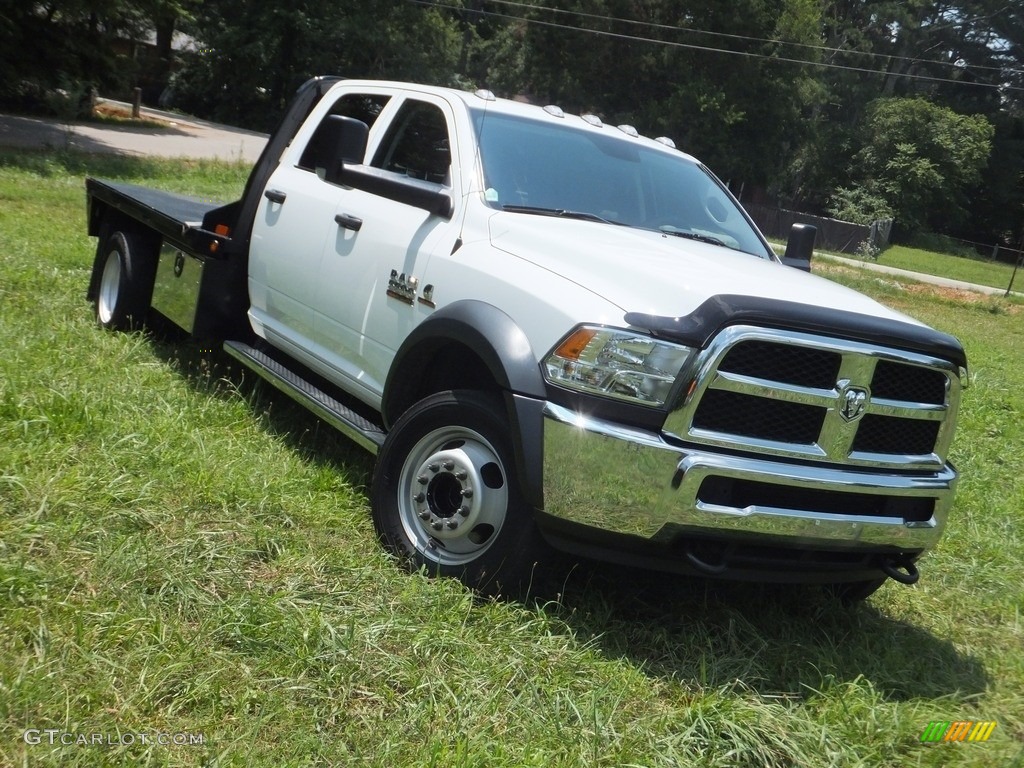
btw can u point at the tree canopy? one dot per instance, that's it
(912, 107)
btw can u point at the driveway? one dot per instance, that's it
(178, 137)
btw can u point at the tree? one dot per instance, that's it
(75, 45)
(654, 63)
(256, 52)
(921, 158)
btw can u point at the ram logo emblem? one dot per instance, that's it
(853, 401)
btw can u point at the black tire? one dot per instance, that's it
(124, 286)
(445, 497)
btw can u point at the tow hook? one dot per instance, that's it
(901, 569)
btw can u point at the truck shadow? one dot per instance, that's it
(782, 641)
(213, 372)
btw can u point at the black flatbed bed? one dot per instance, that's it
(178, 218)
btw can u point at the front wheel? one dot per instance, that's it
(445, 497)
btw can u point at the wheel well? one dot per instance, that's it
(437, 367)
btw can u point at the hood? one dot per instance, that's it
(657, 274)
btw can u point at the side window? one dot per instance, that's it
(416, 144)
(367, 108)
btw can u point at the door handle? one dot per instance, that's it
(275, 196)
(348, 222)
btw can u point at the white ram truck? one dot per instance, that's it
(553, 332)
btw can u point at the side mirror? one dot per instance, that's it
(800, 247)
(427, 195)
(346, 139)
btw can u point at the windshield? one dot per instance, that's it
(537, 166)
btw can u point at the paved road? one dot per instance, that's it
(182, 137)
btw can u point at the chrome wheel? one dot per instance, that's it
(109, 288)
(445, 497)
(453, 495)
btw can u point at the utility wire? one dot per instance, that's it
(709, 49)
(745, 38)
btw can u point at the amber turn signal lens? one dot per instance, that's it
(573, 346)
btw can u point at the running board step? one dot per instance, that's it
(363, 431)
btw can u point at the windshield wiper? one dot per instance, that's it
(670, 230)
(561, 213)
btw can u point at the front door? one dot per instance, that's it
(373, 274)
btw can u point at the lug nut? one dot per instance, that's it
(434, 467)
(453, 524)
(419, 498)
(449, 465)
(467, 493)
(436, 525)
(422, 480)
(424, 515)
(463, 510)
(461, 475)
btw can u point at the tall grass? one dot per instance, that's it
(183, 552)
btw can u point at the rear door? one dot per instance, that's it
(293, 224)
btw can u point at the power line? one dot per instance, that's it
(744, 38)
(709, 49)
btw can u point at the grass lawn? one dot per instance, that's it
(187, 557)
(979, 271)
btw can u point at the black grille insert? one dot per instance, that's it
(759, 417)
(909, 383)
(784, 363)
(891, 434)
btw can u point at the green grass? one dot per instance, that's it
(979, 271)
(183, 552)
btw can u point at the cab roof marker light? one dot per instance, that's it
(666, 141)
(629, 130)
(554, 110)
(593, 120)
(484, 94)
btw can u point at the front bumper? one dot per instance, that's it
(612, 479)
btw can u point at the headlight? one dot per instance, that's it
(616, 363)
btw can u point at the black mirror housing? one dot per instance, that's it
(800, 247)
(347, 139)
(427, 195)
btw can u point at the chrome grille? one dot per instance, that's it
(795, 394)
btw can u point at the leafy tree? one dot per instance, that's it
(921, 158)
(76, 45)
(255, 53)
(664, 75)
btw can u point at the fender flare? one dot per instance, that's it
(509, 358)
(486, 330)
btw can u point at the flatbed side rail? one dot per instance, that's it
(177, 218)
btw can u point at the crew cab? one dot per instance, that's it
(553, 333)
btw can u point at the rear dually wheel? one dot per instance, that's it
(125, 286)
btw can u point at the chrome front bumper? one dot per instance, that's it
(626, 481)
